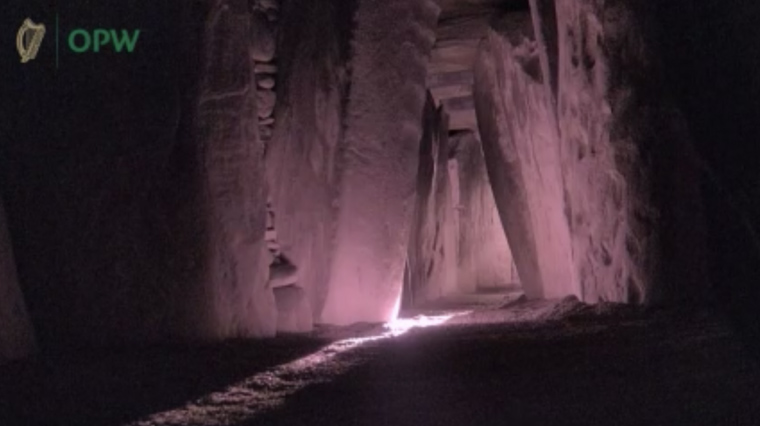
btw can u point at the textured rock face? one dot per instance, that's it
(484, 257)
(432, 259)
(599, 196)
(632, 192)
(520, 143)
(16, 332)
(591, 163)
(392, 40)
(233, 171)
(302, 157)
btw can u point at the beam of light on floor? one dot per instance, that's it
(268, 390)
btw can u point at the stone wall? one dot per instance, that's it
(484, 260)
(391, 44)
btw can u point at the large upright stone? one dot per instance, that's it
(432, 261)
(302, 157)
(233, 172)
(392, 40)
(633, 198)
(16, 332)
(521, 148)
(484, 257)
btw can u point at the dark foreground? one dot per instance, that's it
(528, 364)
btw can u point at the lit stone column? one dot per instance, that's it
(392, 41)
(432, 252)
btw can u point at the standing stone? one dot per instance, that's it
(431, 253)
(16, 333)
(485, 259)
(633, 198)
(378, 171)
(242, 304)
(521, 147)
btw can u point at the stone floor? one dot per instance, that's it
(523, 363)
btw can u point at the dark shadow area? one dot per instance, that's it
(111, 388)
(98, 170)
(712, 53)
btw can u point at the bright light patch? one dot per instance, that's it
(268, 390)
(400, 326)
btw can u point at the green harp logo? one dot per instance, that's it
(29, 39)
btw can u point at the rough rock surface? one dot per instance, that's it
(633, 199)
(520, 143)
(432, 250)
(392, 41)
(623, 221)
(235, 189)
(17, 338)
(302, 156)
(484, 257)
